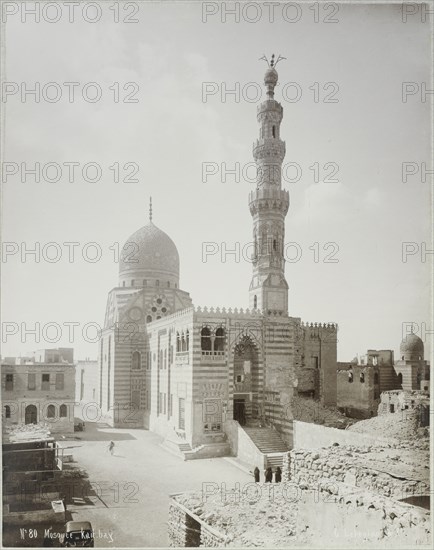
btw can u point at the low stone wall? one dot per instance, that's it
(311, 469)
(314, 436)
(186, 529)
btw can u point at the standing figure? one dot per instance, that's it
(268, 475)
(278, 475)
(111, 447)
(257, 474)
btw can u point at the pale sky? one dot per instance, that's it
(170, 132)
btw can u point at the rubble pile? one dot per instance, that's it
(311, 411)
(258, 514)
(400, 426)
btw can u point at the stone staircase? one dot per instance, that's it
(269, 442)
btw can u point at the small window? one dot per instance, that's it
(60, 380)
(136, 361)
(45, 382)
(51, 411)
(132, 282)
(219, 342)
(274, 131)
(178, 342)
(159, 301)
(157, 283)
(205, 339)
(63, 412)
(31, 381)
(149, 319)
(9, 382)
(255, 302)
(274, 244)
(239, 377)
(123, 283)
(7, 411)
(362, 377)
(392, 408)
(350, 376)
(376, 378)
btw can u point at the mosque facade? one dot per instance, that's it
(173, 368)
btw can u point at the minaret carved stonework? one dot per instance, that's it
(269, 205)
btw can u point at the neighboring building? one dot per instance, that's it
(87, 381)
(412, 370)
(39, 392)
(57, 355)
(360, 386)
(170, 367)
(406, 400)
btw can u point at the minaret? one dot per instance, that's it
(268, 205)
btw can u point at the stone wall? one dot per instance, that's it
(357, 393)
(336, 465)
(188, 530)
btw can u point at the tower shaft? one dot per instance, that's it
(269, 205)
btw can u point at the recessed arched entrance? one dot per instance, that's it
(31, 414)
(245, 380)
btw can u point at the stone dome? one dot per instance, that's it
(411, 348)
(149, 257)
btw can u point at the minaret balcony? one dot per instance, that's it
(269, 148)
(268, 199)
(270, 105)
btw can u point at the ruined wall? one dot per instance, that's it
(311, 468)
(316, 346)
(357, 391)
(187, 530)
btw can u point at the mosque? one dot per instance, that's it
(173, 368)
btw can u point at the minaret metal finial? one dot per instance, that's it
(272, 63)
(150, 209)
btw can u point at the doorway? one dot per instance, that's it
(240, 411)
(31, 414)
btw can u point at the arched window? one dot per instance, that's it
(205, 340)
(187, 340)
(149, 319)
(7, 411)
(255, 302)
(51, 411)
(400, 379)
(63, 411)
(178, 342)
(31, 414)
(136, 360)
(362, 377)
(219, 342)
(274, 131)
(183, 343)
(376, 378)
(350, 376)
(274, 244)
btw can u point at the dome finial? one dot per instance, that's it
(150, 209)
(271, 77)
